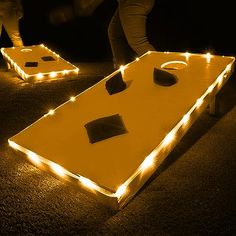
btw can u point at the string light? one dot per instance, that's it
(38, 76)
(199, 102)
(65, 72)
(72, 99)
(33, 157)
(53, 74)
(208, 57)
(58, 169)
(210, 89)
(185, 119)
(149, 160)
(220, 79)
(187, 55)
(169, 138)
(87, 183)
(13, 144)
(51, 112)
(122, 69)
(121, 191)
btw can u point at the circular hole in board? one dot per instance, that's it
(26, 50)
(174, 65)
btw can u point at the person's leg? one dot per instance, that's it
(1, 19)
(11, 25)
(119, 45)
(0, 25)
(133, 16)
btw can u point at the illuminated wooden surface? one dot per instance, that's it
(17, 57)
(149, 112)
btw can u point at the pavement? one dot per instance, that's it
(192, 193)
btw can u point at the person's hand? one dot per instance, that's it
(84, 8)
(19, 9)
(19, 13)
(79, 8)
(62, 15)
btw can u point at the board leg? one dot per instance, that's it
(214, 106)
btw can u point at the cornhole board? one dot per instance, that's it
(150, 119)
(38, 63)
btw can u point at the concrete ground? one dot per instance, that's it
(192, 193)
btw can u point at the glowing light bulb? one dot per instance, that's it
(199, 102)
(220, 80)
(169, 138)
(33, 157)
(228, 68)
(137, 59)
(13, 144)
(72, 99)
(208, 57)
(53, 74)
(187, 55)
(148, 162)
(122, 69)
(57, 169)
(185, 118)
(121, 191)
(39, 76)
(65, 72)
(87, 183)
(51, 112)
(210, 89)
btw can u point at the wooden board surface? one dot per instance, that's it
(149, 111)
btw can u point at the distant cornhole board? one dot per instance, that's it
(38, 63)
(111, 138)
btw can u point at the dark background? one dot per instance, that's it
(193, 191)
(194, 26)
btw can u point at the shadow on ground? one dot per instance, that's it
(190, 194)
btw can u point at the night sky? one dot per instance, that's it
(194, 26)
